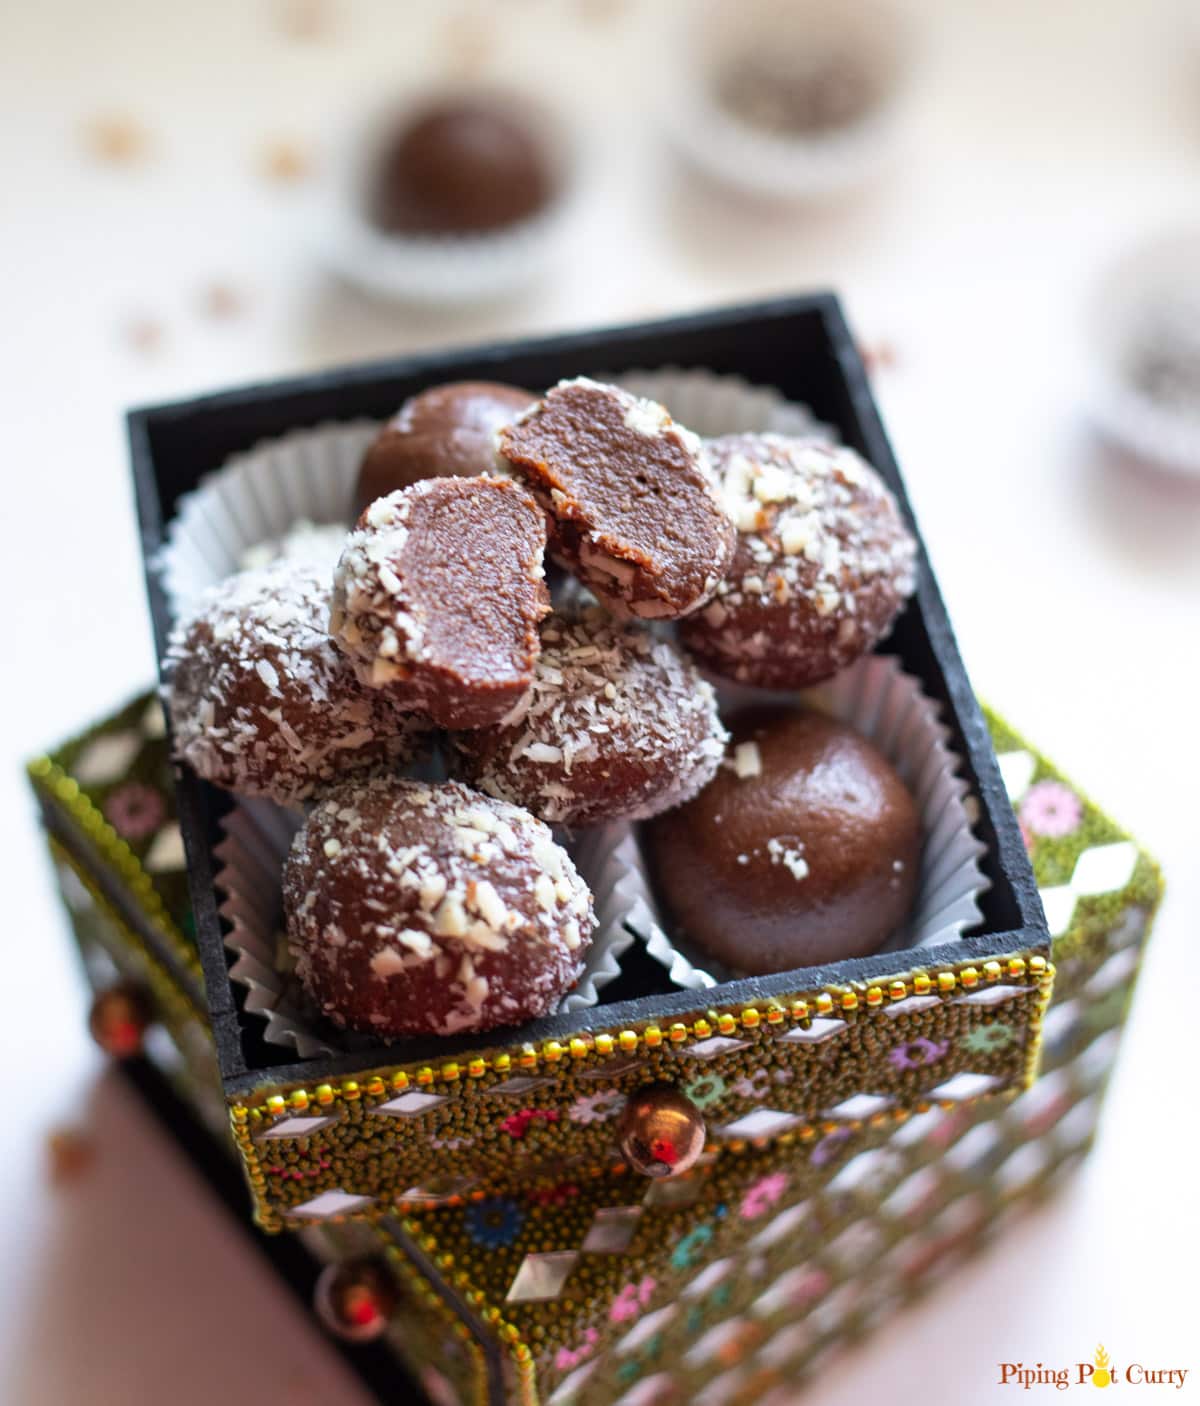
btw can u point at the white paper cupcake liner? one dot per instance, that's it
(249, 878)
(775, 167)
(452, 270)
(1150, 296)
(887, 706)
(257, 497)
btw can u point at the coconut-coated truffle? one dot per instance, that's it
(415, 908)
(261, 702)
(620, 727)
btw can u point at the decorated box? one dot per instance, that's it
(332, 1129)
(719, 1287)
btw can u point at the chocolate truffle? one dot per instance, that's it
(445, 432)
(634, 512)
(438, 597)
(823, 564)
(461, 166)
(262, 703)
(805, 849)
(415, 908)
(621, 727)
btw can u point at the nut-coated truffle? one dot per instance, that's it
(823, 565)
(415, 908)
(634, 513)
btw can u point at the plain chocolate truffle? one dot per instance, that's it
(448, 431)
(415, 908)
(634, 512)
(620, 727)
(804, 850)
(822, 567)
(262, 703)
(438, 596)
(467, 165)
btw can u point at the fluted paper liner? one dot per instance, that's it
(310, 475)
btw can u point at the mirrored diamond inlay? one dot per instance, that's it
(542, 1277)
(330, 1203)
(611, 1230)
(409, 1104)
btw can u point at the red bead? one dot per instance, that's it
(119, 1019)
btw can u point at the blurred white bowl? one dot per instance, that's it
(1143, 332)
(873, 38)
(450, 270)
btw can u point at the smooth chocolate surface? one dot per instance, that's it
(805, 849)
(461, 166)
(447, 431)
(634, 514)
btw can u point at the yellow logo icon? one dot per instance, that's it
(1102, 1376)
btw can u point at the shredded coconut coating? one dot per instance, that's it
(438, 596)
(317, 544)
(416, 908)
(823, 564)
(634, 512)
(620, 727)
(262, 703)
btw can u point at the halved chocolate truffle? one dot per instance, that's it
(438, 597)
(635, 515)
(805, 849)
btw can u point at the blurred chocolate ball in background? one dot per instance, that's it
(461, 165)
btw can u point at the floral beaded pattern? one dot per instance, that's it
(424, 1136)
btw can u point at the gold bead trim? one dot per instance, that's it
(64, 791)
(799, 1011)
(171, 998)
(506, 1333)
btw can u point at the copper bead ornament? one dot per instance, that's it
(355, 1300)
(661, 1132)
(119, 1019)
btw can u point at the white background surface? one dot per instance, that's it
(1041, 138)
